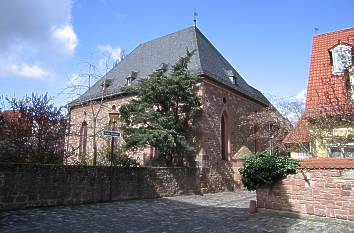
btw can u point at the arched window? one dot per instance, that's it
(224, 137)
(255, 134)
(83, 138)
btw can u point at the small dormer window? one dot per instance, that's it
(131, 77)
(129, 81)
(106, 83)
(234, 80)
(341, 56)
(232, 76)
(163, 67)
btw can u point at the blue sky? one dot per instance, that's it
(46, 45)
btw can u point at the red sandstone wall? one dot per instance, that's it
(329, 191)
(31, 185)
(101, 110)
(218, 174)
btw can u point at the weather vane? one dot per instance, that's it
(195, 14)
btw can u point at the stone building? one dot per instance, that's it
(225, 97)
(327, 126)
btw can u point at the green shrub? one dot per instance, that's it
(120, 159)
(263, 169)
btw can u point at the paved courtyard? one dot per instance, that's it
(220, 212)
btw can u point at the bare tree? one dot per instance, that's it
(81, 83)
(321, 130)
(268, 125)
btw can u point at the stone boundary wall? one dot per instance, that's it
(325, 189)
(26, 186)
(222, 176)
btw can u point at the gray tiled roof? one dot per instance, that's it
(149, 56)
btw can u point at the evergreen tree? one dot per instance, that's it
(163, 113)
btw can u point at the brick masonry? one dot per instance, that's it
(25, 186)
(329, 191)
(216, 174)
(86, 112)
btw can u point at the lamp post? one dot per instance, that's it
(113, 118)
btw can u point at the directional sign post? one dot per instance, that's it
(111, 133)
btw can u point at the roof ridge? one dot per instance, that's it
(218, 53)
(172, 33)
(196, 45)
(341, 30)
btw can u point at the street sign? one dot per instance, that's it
(113, 134)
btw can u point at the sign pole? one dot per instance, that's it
(113, 134)
(112, 150)
(111, 169)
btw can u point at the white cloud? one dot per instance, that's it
(29, 71)
(108, 57)
(12, 67)
(33, 32)
(301, 96)
(116, 53)
(65, 37)
(75, 79)
(290, 107)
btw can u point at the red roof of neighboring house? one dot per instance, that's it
(17, 116)
(299, 134)
(324, 89)
(327, 94)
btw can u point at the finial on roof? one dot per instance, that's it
(195, 14)
(316, 30)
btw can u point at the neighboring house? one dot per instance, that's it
(9, 115)
(225, 97)
(15, 117)
(326, 129)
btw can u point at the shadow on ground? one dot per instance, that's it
(220, 212)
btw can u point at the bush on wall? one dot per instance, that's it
(263, 169)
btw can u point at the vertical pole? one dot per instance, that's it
(270, 138)
(111, 170)
(112, 151)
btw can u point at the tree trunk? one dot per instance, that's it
(94, 142)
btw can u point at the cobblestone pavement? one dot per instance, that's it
(220, 212)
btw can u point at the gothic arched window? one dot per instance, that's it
(224, 137)
(83, 138)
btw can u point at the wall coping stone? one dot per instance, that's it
(327, 163)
